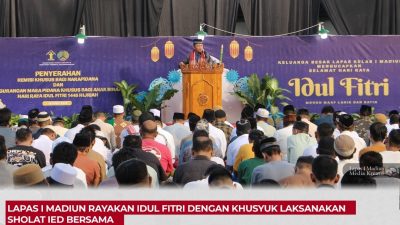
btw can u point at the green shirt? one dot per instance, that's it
(246, 168)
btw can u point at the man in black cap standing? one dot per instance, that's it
(198, 54)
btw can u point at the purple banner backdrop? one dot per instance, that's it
(59, 75)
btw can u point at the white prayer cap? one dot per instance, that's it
(63, 173)
(118, 109)
(262, 113)
(43, 117)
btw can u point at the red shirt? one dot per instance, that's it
(161, 152)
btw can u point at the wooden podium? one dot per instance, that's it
(202, 87)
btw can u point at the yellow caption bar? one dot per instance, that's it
(57, 103)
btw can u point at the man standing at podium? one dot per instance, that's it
(198, 54)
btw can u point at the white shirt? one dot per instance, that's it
(203, 184)
(100, 148)
(219, 137)
(296, 145)
(169, 141)
(391, 156)
(233, 148)
(218, 160)
(233, 134)
(108, 130)
(390, 127)
(281, 137)
(268, 130)
(59, 140)
(60, 131)
(70, 134)
(44, 144)
(98, 145)
(342, 164)
(80, 181)
(186, 124)
(179, 132)
(312, 128)
(336, 133)
(360, 143)
(311, 151)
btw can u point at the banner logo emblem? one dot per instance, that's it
(51, 54)
(63, 55)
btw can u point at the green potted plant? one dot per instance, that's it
(154, 98)
(265, 91)
(127, 92)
